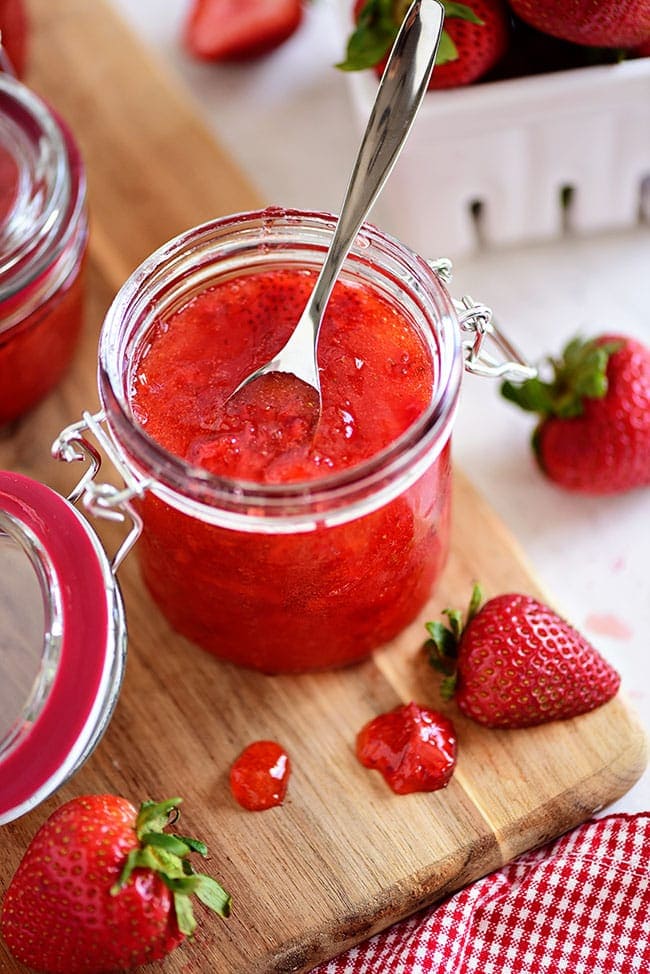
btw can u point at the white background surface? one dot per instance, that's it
(289, 123)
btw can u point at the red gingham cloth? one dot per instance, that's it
(579, 905)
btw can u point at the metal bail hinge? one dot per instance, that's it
(101, 499)
(476, 323)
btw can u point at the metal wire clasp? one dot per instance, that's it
(477, 325)
(101, 499)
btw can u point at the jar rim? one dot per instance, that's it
(169, 475)
(40, 219)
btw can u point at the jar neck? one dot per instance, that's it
(261, 240)
(43, 224)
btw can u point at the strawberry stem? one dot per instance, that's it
(580, 373)
(444, 641)
(166, 854)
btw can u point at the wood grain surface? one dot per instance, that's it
(344, 857)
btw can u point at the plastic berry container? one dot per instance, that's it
(43, 237)
(283, 576)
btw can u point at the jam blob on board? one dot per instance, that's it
(260, 776)
(413, 747)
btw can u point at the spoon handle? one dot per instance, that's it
(401, 89)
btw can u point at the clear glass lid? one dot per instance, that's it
(30, 631)
(62, 642)
(42, 187)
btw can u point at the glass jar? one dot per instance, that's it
(62, 642)
(285, 577)
(43, 237)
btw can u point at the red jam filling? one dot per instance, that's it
(260, 775)
(376, 380)
(311, 599)
(35, 353)
(414, 748)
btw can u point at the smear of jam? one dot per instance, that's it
(413, 747)
(260, 775)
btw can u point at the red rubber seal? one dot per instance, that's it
(40, 755)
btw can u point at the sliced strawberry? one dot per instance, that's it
(238, 30)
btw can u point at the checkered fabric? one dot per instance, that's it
(579, 905)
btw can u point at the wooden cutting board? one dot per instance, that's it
(344, 857)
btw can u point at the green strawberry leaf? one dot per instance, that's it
(475, 602)
(532, 395)
(462, 12)
(580, 373)
(213, 895)
(448, 686)
(442, 647)
(184, 913)
(154, 816)
(374, 34)
(455, 617)
(377, 26)
(194, 844)
(447, 50)
(168, 843)
(444, 642)
(166, 855)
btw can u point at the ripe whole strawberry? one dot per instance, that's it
(516, 663)
(239, 30)
(594, 431)
(102, 888)
(473, 41)
(594, 23)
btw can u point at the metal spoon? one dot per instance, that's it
(400, 92)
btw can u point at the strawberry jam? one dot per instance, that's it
(272, 540)
(260, 775)
(376, 380)
(301, 600)
(413, 747)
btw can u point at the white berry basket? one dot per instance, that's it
(520, 160)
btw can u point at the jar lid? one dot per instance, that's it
(63, 639)
(42, 187)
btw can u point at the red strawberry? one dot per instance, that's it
(595, 23)
(238, 30)
(413, 747)
(14, 28)
(474, 40)
(516, 663)
(594, 433)
(102, 888)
